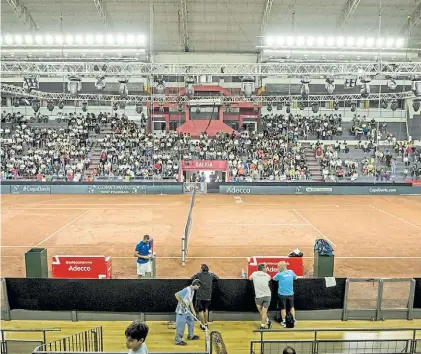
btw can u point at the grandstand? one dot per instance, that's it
(239, 135)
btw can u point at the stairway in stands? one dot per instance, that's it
(96, 149)
(313, 165)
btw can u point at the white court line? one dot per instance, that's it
(252, 224)
(315, 228)
(62, 228)
(100, 204)
(396, 217)
(197, 207)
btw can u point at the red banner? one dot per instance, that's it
(293, 263)
(82, 267)
(212, 165)
(415, 183)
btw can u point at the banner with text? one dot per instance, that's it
(334, 190)
(92, 189)
(211, 165)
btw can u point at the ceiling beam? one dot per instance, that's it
(348, 10)
(413, 20)
(265, 17)
(23, 13)
(102, 13)
(184, 25)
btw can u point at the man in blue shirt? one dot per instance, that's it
(285, 279)
(143, 254)
(183, 316)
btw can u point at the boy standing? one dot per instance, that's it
(136, 335)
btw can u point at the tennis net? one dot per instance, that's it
(187, 229)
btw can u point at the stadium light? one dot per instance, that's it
(280, 41)
(350, 42)
(330, 41)
(89, 39)
(390, 42)
(69, 39)
(18, 39)
(360, 42)
(58, 39)
(320, 41)
(99, 39)
(310, 41)
(39, 39)
(49, 39)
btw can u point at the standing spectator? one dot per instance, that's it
(262, 294)
(393, 165)
(136, 335)
(285, 279)
(143, 254)
(185, 301)
(204, 294)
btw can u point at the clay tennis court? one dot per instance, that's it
(373, 236)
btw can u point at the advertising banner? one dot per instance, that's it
(31, 189)
(293, 263)
(212, 165)
(82, 267)
(334, 190)
(116, 189)
(69, 189)
(5, 189)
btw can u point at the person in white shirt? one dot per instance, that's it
(136, 335)
(262, 293)
(183, 316)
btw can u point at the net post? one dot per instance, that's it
(183, 251)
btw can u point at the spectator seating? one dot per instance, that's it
(110, 146)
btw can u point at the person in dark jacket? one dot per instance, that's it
(204, 294)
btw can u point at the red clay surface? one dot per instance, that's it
(374, 236)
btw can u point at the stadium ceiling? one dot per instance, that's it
(218, 26)
(133, 69)
(16, 91)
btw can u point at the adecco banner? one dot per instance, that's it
(334, 190)
(82, 267)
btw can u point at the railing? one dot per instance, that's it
(18, 345)
(88, 341)
(358, 341)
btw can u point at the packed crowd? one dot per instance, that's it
(270, 154)
(28, 151)
(323, 127)
(273, 154)
(130, 151)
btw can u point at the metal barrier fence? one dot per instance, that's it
(87, 342)
(17, 346)
(357, 341)
(377, 299)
